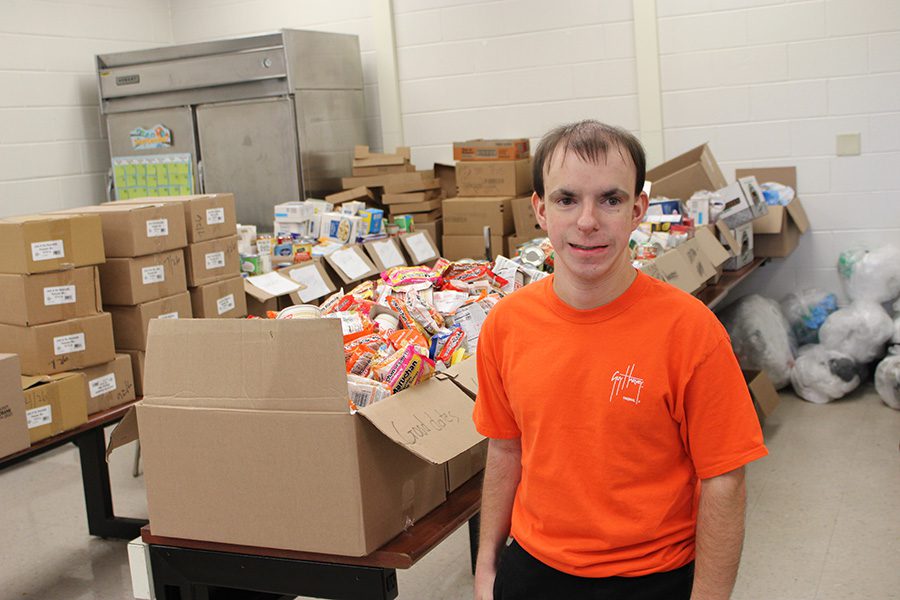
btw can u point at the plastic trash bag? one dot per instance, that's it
(871, 275)
(777, 194)
(887, 381)
(760, 337)
(805, 311)
(860, 330)
(821, 375)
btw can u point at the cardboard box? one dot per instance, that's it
(457, 247)
(491, 149)
(710, 246)
(778, 233)
(411, 197)
(424, 217)
(47, 297)
(419, 247)
(687, 173)
(702, 266)
(385, 253)
(138, 229)
(446, 174)
(41, 243)
(206, 216)
(362, 157)
(351, 264)
(54, 404)
(212, 260)
(677, 271)
(523, 217)
(312, 277)
(469, 216)
(514, 241)
(130, 323)
(219, 300)
(381, 170)
(130, 281)
(435, 229)
(494, 178)
(60, 346)
(345, 483)
(754, 195)
(137, 369)
(414, 207)
(765, 396)
(358, 193)
(294, 211)
(13, 425)
(109, 385)
(471, 462)
(395, 183)
(739, 242)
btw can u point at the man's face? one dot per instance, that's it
(589, 211)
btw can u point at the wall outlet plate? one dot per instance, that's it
(848, 144)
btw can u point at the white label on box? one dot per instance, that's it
(171, 315)
(420, 248)
(350, 263)
(66, 344)
(47, 250)
(215, 260)
(59, 294)
(157, 227)
(273, 284)
(214, 216)
(154, 274)
(312, 279)
(388, 254)
(42, 415)
(224, 304)
(102, 385)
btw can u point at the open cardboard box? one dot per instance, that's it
(687, 173)
(765, 396)
(254, 415)
(777, 233)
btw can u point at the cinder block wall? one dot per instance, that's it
(53, 153)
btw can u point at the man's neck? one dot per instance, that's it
(585, 295)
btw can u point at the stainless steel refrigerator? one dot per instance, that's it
(270, 118)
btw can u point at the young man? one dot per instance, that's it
(618, 419)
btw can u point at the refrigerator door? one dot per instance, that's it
(149, 138)
(250, 149)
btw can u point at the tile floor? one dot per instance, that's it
(823, 518)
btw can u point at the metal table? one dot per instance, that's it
(197, 570)
(91, 443)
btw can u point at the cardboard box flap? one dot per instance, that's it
(711, 247)
(261, 364)
(771, 222)
(30, 381)
(764, 394)
(464, 375)
(798, 214)
(433, 420)
(124, 433)
(733, 246)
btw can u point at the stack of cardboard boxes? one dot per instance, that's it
(143, 277)
(489, 175)
(51, 318)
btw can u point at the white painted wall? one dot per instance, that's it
(771, 83)
(52, 151)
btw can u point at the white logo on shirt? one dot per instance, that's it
(624, 384)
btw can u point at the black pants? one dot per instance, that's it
(521, 576)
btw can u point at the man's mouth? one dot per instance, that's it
(582, 247)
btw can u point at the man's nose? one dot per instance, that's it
(587, 217)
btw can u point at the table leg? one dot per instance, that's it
(474, 532)
(102, 522)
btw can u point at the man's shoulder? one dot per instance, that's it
(677, 306)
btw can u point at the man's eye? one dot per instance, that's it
(614, 201)
(566, 201)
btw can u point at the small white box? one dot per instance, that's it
(293, 212)
(340, 228)
(141, 574)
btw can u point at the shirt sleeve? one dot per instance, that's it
(723, 431)
(493, 415)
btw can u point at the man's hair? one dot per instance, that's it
(591, 141)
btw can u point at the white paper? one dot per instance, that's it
(59, 294)
(65, 344)
(421, 249)
(470, 318)
(388, 253)
(448, 302)
(215, 260)
(312, 279)
(102, 385)
(171, 315)
(350, 263)
(215, 216)
(154, 274)
(505, 268)
(47, 250)
(42, 415)
(273, 284)
(225, 303)
(157, 227)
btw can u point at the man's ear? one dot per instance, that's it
(540, 210)
(639, 210)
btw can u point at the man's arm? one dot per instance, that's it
(501, 478)
(720, 535)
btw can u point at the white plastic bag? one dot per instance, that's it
(821, 375)
(805, 311)
(760, 338)
(871, 275)
(887, 381)
(859, 330)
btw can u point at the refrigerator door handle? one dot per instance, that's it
(109, 185)
(201, 184)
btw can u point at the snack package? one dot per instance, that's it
(405, 371)
(402, 338)
(364, 391)
(406, 318)
(445, 344)
(406, 278)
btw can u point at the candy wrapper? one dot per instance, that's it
(402, 338)
(410, 278)
(445, 344)
(403, 369)
(364, 391)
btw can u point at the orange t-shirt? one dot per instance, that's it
(621, 410)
